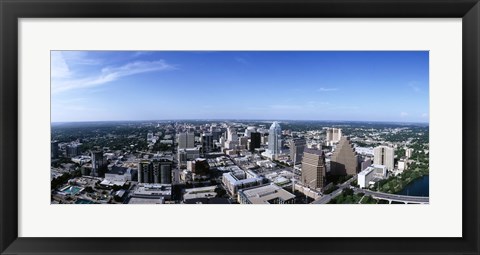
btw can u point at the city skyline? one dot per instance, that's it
(375, 86)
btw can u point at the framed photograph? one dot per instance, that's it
(271, 127)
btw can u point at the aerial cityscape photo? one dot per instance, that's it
(239, 127)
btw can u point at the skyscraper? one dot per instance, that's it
(232, 135)
(73, 149)
(333, 135)
(157, 171)
(144, 169)
(98, 162)
(186, 140)
(275, 139)
(216, 135)
(296, 149)
(166, 173)
(249, 130)
(255, 141)
(383, 155)
(313, 168)
(54, 150)
(162, 172)
(207, 142)
(344, 160)
(243, 142)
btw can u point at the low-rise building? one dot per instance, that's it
(118, 173)
(371, 175)
(265, 194)
(81, 159)
(266, 163)
(239, 179)
(187, 154)
(402, 164)
(158, 193)
(197, 193)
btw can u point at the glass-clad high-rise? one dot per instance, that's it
(275, 139)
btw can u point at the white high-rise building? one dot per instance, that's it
(408, 152)
(275, 139)
(232, 135)
(384, 155)
(334, 135)
(186, 140)
(249, 131)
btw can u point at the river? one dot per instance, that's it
(419, 187)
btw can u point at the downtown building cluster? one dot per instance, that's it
(222, 162)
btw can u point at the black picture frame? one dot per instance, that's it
(12, 10)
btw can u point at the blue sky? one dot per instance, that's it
(283, 85)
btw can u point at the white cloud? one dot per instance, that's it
(327, 89)
(403, 114)
(62, 80)
(59, 67)
(424, 115)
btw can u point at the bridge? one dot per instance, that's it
(377, 195)
(393, 197)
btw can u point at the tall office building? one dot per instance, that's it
(73, 149)
(255, 141)
(275, 139)
(222, 142)
(166, 173)
(98, 162)
(232, 135)
(264, 138)
(162, 172)
(365, 163)
(334, 135)
(384, 155)
(207, 142)
(185, 155)
(408, 152)
(243, 142)
(296, 149)
(313, 168)
(144, 169)
(186, 140)
(54, 150)
(344, 160)
(249, 131)
(157, 171)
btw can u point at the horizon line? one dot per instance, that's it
(240, 119)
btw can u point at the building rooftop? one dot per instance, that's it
(264, 194)
(203, 192)
(137, 200)
(313, 151)
(235, 181)
(119, 170)
(154, 190)
(213, 200)
(367, 171)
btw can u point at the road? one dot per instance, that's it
(395, 197)
(379, 195)
(176, 176)
(326, 198)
